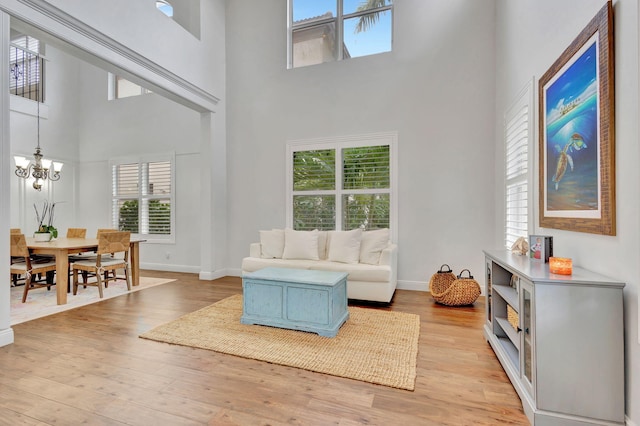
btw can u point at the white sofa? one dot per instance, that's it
(368, 257)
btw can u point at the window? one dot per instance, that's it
(26, 68)
(330, 30)
(165, 7)
(518, 133)
(120, 87)
(143, 197)
(342, 183)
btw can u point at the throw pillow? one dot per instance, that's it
(322, 244)
(373, 242)
(344, 246)
(300, 244)
(272, 244)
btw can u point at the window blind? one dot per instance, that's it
(517, 135)
(345, 187)
(157, 211)
(143, 197)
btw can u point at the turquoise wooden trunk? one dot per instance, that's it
(314, 301)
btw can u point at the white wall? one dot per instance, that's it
(531, 35)
(138, 126)
(436, 89)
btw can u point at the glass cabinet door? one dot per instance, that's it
(526, 311)
(488, 292)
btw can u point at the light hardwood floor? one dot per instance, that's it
(88, 366)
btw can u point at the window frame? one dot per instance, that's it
(523, 107)
(140, 161)
(339, 20)
(340, 143)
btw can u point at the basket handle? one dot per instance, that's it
(470, 277)
(442, 271)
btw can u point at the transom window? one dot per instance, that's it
(165, 7)
(120, 87)
(143, 197)
(331, 30)
(342, 184)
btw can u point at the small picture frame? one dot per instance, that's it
(540, 247)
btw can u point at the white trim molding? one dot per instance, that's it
(413, 285)
(6, 332)
(94, 45)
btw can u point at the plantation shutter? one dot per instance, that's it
(517, 134)
(345, 187)
(125, 196)
(143, 198)
(314, 184)
(157, 197)
(367, 183)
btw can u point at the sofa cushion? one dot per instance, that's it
(344, 246)
(323, 237)
(252, 264)
(373, 242)
(300, 244)
(272, 244)
(357, 272)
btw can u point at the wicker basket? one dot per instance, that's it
(454, 291)
(441, 281)
(512, 317)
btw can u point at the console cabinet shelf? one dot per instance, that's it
(559, 339)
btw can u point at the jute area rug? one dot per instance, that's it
(373, 346)
(42, 302)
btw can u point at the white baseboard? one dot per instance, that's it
(170, 268)
(203, 275)
(212, 275)
(402, 284)
(628, 421)
(418, 286)
(6, 337)
(413, 285)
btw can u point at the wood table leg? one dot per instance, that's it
(62, 277)
(134, 258)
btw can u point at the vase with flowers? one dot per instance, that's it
(46, 231)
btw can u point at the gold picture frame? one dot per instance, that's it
(577, 134)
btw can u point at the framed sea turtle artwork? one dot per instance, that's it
(576, 133)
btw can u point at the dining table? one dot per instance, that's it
(61, 248)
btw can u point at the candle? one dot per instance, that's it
(560, 265)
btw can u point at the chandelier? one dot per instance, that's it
(41, 167)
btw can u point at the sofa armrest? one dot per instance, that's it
(255, 250)
(389, 255)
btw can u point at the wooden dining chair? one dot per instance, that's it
(77, 233)
(115, 242)
(103, 230)
(75, 257)
(28, 268)
(15, 277)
